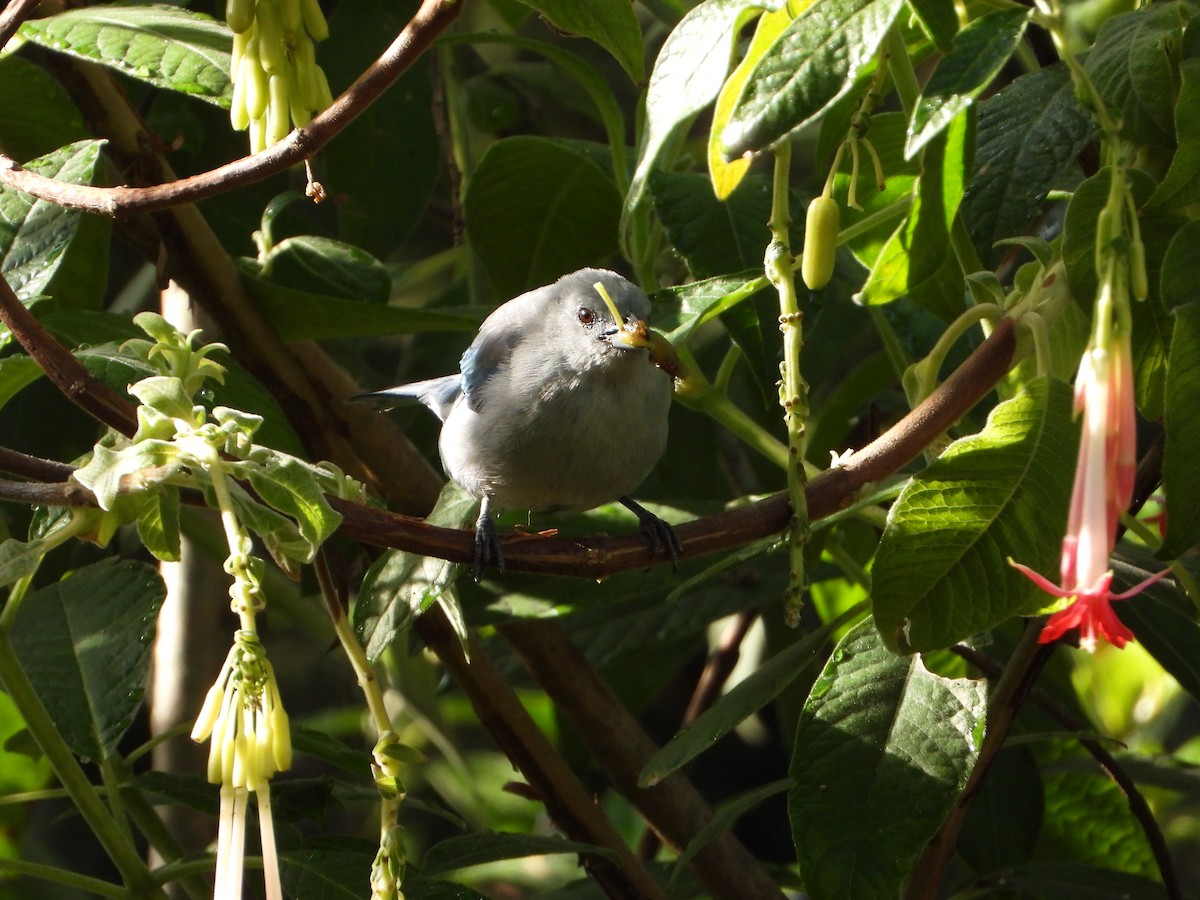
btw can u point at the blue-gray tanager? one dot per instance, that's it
(557, 405)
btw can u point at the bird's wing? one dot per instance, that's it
(517, 321)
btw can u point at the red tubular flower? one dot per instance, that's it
(1103, 488)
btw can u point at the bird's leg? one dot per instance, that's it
(659, 532)
(487, 543)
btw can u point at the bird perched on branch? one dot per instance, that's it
(557, 405)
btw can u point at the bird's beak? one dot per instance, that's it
(634, 335)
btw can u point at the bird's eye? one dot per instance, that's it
(587, 317)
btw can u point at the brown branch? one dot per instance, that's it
(598, 556)
(1137, 802)
(16, 12)
(673, 807)
(33, 467)
(302, 144)
(90, 394)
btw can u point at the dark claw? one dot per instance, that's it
(658, 532)
(487, 544)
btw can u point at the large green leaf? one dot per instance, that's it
(1029, 137)
(16, 372)
(36, 234)
(917, 261)
(319, 265)
(537, 209)
(1181, 186)
(882, 749)
(36, 113)
(1183, 432)
(1164, 621)
(940, 574)
(1177, 283)
(384, 165)
(84, 642)
(166, 46)
(400, 586)
(613, 26)
(687, 76)
(1132, 66)
(980, 51)
(808, 68)
(679, 310)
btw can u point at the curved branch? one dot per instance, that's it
(16, 12)
(302, 144)
(599, 556)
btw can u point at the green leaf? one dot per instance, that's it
(1030, 135)
(712, 236)
(526, 207)
(882, 749)
(16, 372)
(400, 586)
(1181, 186)
(1183, 432)
(19, 559)
(107, 473)
(84, 642)
(1005, 818)
(723, 819)
(940, 20)
(748, 696)
(492, 846)
(980, 52)
(328, 871)
(1177, 281)
(165, 46)
(318, 265)
(36, 113)
(678, 311)
(808, 68)
(1164, 622)
(158, 523)
(1063, 878)
(41, 230)
(687, 76)
(1132, 65)
(289, 486)
(918, 262)
(324, 746)
(303, 315)
(613, 26)
(940, 573)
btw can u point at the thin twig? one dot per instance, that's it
(16, 12)
(302, 144)
(1137, 803)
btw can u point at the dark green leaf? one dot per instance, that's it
(940, 20)
(537, 209)
(165, 46)
(808, 68)
(1181, 186)
(940, 574)
(312, 742)
(1183, 431)
(1005, 818)
(85, 642)
(384, 165)
(317, 265)
(882, 749)
(42, 230)
(1058, 879)
(680, 310)
(1164, 622)
(1178, 285)
(36, 114)
(611, 25)
(333, 872)
(189, 789)
(1029, 137)
(918, 262)
(713, 237)
(19, 559)
(1132, 66)
(748, 696)
(400, 586)
(980, 51)
(491, 846)
(16, 372)
(724, 817)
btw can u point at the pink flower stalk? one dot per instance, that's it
(1104, 474)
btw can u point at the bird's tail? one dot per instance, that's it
(438, 394)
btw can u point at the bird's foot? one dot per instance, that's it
(487, 545)
(658, 532)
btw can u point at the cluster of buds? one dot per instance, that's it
(277, 83)
(250, 741)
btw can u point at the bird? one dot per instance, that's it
(560, 403)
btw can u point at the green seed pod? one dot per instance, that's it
(271, 47)
(278, 121)
(1139, 281)
(239, 15)
(314, 20)
(820, 242)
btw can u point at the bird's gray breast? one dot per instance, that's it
(572, 442)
